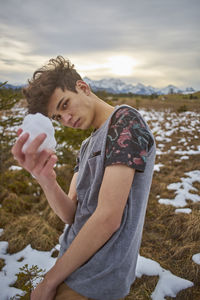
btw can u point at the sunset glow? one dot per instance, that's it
(121, 65)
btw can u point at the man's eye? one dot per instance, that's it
(65, 104)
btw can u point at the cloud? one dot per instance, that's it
(161, 35)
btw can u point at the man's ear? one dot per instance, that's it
(82, 85)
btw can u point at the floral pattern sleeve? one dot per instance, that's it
(128, 139)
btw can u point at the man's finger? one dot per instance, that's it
(50, 164)
(19, 131)
(35, 144)
(17, 148)
(42, 159)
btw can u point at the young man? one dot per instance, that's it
(108, 195)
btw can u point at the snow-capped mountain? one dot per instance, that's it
(117, 86)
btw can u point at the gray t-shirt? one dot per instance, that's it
(109, 273)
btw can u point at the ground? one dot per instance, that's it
(170, 237)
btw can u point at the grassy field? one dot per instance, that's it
(169, 238)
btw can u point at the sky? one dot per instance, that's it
(154, 42)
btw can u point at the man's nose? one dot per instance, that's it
(66, 118)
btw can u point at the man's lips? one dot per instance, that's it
(76, 124)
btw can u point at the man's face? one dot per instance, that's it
(75, 110)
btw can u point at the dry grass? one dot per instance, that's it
(25, 214)
(168, 238)
(174, 102)
(30, 229)
(2, 263)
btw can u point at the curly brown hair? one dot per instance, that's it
(59, 72)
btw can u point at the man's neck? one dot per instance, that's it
(102, 113)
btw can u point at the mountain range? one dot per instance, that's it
(117, 86)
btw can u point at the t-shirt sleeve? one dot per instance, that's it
(128, 140)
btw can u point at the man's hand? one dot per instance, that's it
(43, 292)
(41, 164)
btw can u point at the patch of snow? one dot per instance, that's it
(182, 190)
(157, 167)
(183, 140)
(31, 257)
(184, 157)
(188, 152)
(177, 160)
(161, 145)
(168, 284)
(196, 258)
(15, 168)
(162, 139)
(183, 210)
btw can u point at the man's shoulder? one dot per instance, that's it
(125, 111)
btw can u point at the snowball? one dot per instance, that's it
(36, 124)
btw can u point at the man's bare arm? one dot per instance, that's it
(72, 189)
(98, 229)
(63, 205)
